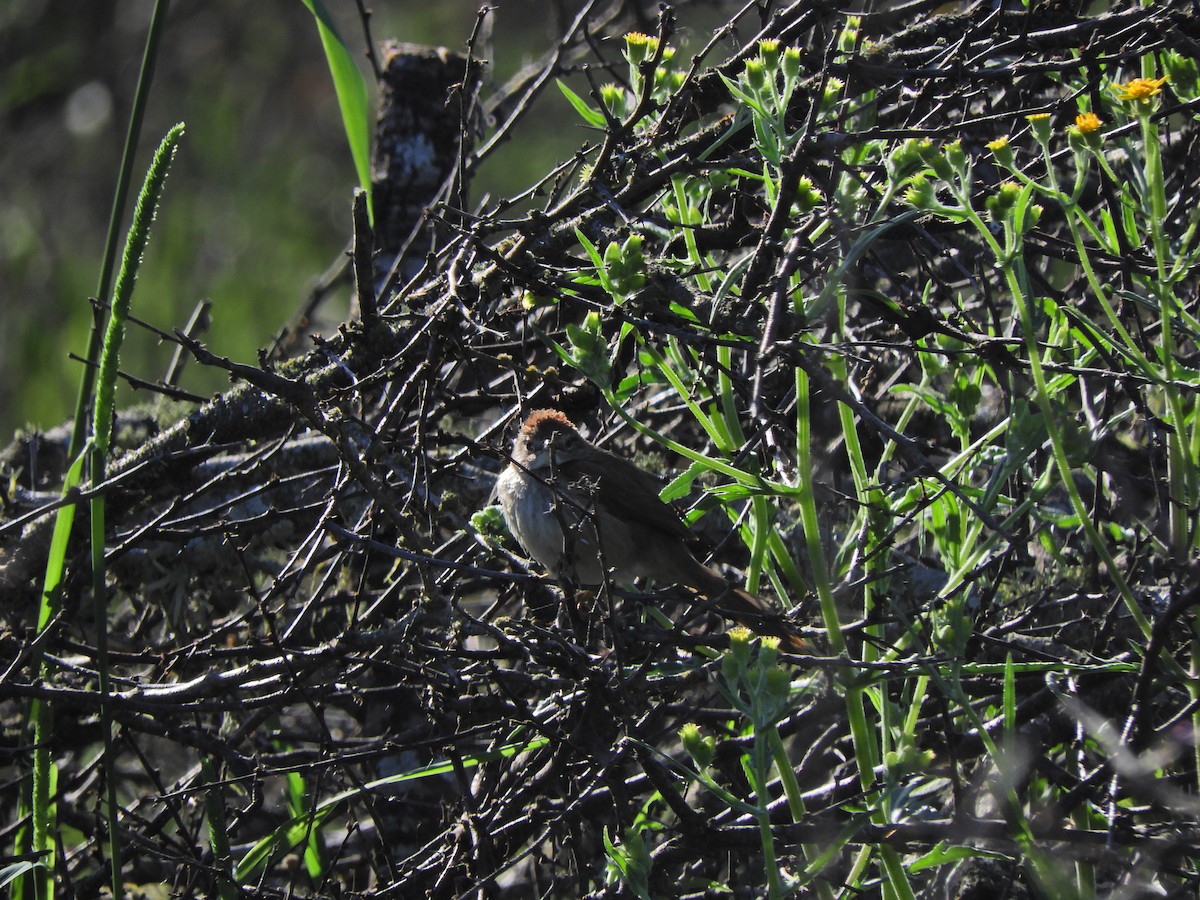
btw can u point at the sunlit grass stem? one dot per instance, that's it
(37, 839)
(106, 381)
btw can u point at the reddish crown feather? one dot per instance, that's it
(541, 417)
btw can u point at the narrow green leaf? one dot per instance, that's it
(316, 857)
(57, 561)
(593, 117)
(297, 829)
(592, 250)
(351, 90)
(944, 853)
(218, 834)
(11, 872)
(597, 259)
(746, 98)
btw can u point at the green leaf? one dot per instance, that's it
(593, 117)
(295, 831)
(746, 98)
(943, 853)
(597, 259)
(11, 872)
(56, 563)
(351, 90)
(592, 251)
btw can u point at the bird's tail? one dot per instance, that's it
(743, 607)
(755, 614)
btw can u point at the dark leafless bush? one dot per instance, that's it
(299, 588)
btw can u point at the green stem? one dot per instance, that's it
(1008, 261)
(120, 196)
(1193, 688)
(100, 605)
(762, 771)
(51, 604)
(896, 881)
(796, 807)
(102, 417)
(1180, 475)
(218, 835)
(1058, 450)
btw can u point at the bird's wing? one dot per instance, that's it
(627, 491)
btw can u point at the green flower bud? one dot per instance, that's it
(849, 36)
(631, 250)
(768, 653)
(957, 156)
(833, 92)
(1040, 125)
(614, 97)
(942, 167)
(779, 684)
(699, 748)
(1000, 204)
(926, 148)
(589, 350)
(768, 52)
(735, 659)
(639, 47)
(905, 159)
(791, 63)
(756, 74)
(807, 196)
(1001, 151)
(489, 521)
(920, 192)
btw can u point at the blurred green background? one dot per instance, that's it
(258, 201)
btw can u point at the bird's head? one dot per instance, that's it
(547, 436)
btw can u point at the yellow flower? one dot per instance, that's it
(1140, 89)
(1085, 133)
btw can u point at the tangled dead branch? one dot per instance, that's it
(305, 590)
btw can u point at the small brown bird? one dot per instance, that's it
(579, 511)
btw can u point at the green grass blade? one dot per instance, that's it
(42, 713)
(351, 89)
(120, 195)
(106, 384)
(14, 871)
(316, 856)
